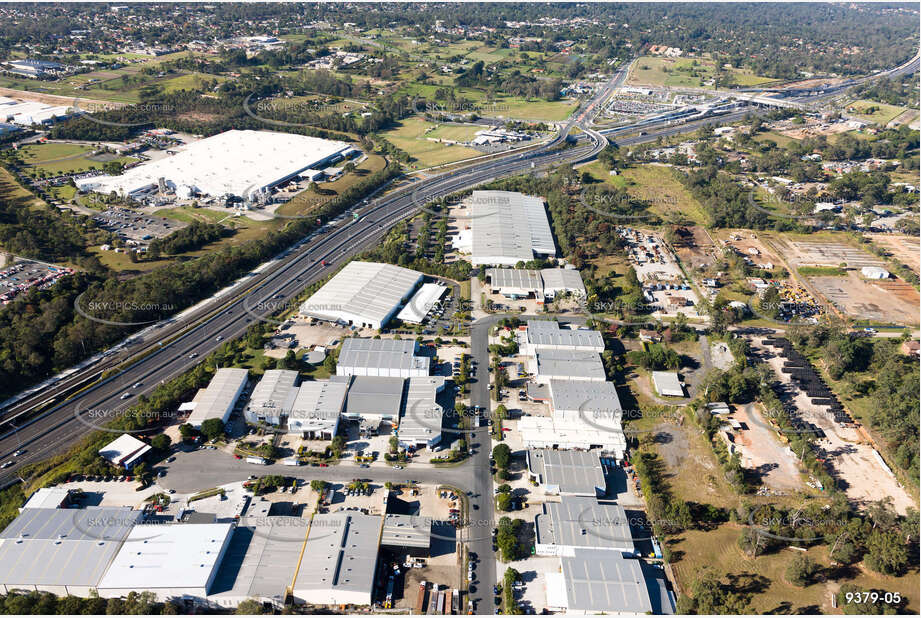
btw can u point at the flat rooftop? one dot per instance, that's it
(234, 162)
(421, 420)
(588, 399)
(522, 278)
(366, 292)
(547, 333)
(340, 553)
(508, 227)
(574, 472)
(603, 581)
(220, 395)
(393, 354)
(578, 521)
(275, 392)
(317, 405)
(63, 547)
(374, 396)
(406, 531)
(167, 556)
(261, 559)
(563, 363)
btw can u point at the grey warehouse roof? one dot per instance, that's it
(604, 581)
(549, 333)
(581, 521)
(372, 395)
(423, 416)
(63, 547)
(591, 400)
(381, 353)
(275, 392)
(261, 559)
(515, 278)
(509, 226)
(406, 531)
(574, 472)
(340, 552)
(568, 279)
(219, 396)
(562, 363)
(370, 291)
(317, 403)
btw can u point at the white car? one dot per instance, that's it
(125, 395)
(138, 385)
(7, 465)
(193, 355)
(18, 453)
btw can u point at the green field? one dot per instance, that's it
(307, 200)
(686, 72)
(52, 159)
(454, 132)
(656, 185)
(410, 136)
(873, 112)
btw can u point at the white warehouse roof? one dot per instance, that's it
(167, 557)
(423, 301)
(667, 383)
(548, 334)
(273, 396)
(362, 293)
(508, 227)
(422, 418)
(124, 450)
(218, 399)
(235, 162)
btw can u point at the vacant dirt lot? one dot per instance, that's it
(753, 248)
(818, 253)
(697, 250)
(851, 459)
(890, 300)
(762, 451)
(905, 249)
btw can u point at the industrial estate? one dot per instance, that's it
(459, 309)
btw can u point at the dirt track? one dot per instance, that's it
(52, 99)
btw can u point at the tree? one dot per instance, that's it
(501, 412)
(187, 431)
(248, 607)
(503, 456)
(394, 444)
(504, 501)
(161, 442)
(212, 428)
(886, 552)
(318, 485)
(801, 570)
(337, 444)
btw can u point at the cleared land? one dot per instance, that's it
(886, 301)
(905, 249)
(52, 159)
(686, 72)
(307, 200)
(410, 136)
(878, 113)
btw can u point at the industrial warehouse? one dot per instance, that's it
(506, 228)
(365, 294)
(239, 164)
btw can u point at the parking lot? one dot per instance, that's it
(19, 275)
(136, 227)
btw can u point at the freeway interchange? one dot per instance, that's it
(51, 418)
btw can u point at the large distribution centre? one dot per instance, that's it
(233, 163)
